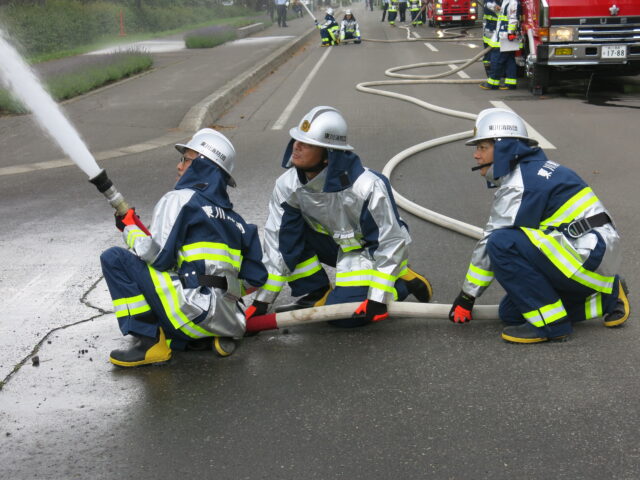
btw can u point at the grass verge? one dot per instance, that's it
(208, 40)
(111, 68)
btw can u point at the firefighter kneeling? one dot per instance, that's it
(549, 240)
(329, 29)
(178, 288)
(328, 208)
(349, 28)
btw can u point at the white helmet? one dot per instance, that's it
(329, 11)
(499, 123)
(324, 127)
(215, 146)
(347, 12)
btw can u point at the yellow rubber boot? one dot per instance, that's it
(418, 286)
(223, 346)
(147, 351)
(621, 313)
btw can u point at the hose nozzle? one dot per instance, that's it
(114, 197)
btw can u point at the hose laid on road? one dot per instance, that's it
(366, 87)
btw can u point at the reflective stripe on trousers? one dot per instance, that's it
(170, 299)
(567, 262)
(130, 306)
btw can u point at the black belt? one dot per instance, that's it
(577, 228)
(212, 281)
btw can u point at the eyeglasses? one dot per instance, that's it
(184, 159)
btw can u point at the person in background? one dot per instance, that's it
(349, 29)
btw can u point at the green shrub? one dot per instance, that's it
(61, 25)
(208, 41)
(112, 68)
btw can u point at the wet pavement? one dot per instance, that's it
(414, 398)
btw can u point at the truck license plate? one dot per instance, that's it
(456, 17)
(614, 51)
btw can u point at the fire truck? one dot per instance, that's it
(570, 38)
(439, 12)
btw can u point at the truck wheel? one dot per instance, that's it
(539, 80)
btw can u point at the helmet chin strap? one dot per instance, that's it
(481, 166)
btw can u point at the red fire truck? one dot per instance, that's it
(439, 12)
(569, 38)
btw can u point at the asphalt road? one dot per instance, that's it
(415, 398)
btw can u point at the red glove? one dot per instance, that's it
(256, 309)
(461, 309)
(371, 310)
(129, 218)
(511, 37)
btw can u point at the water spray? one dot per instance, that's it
(309, 11)
(26, 87)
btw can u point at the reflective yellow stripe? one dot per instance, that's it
(568, 264)
(169, 297)
(404, 268)
(368, 278)
(217, 252)
(125, 307)
(305, 269)
(274, 283)
(572, 209)
(133, 234)
(593, 306)
(478, 276)
(546, 315)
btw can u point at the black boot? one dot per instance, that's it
(527, 333)
(312, 299)
(147, 351)
(221, 346)
(621, 311)
(224, 346)
(418, 286)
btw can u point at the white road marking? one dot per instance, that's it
(533, 133)
(461, 73)
(284, 117)
(431, 47)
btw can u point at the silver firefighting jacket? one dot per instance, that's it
(351, 204)
(508, 20)
(195, 233)
(542, 198)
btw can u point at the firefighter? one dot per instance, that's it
(402, 10)
(385, 7)
(349, 28)
(392, 11)
(178, 288)
(489, 21)
(549, 240)
(506, 41)
(328, 208)
(329, 30)
(414, 9)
